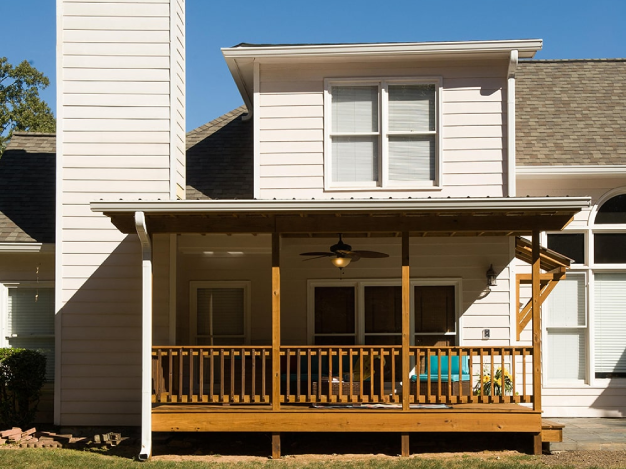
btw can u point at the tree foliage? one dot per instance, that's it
(21, 108)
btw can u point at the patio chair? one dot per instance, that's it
(444, 364)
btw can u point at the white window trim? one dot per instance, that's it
(554, 383)
(193, 304)
(359, 286)
(383, 182)
(590, 269)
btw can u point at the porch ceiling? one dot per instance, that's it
(361, 217)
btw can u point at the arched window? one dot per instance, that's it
(609, 240)
(609, 287)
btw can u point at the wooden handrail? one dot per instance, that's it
(342, 375)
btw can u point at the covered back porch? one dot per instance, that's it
(404, 387)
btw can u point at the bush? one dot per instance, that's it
(22, 375)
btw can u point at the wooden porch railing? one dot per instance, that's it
(342, 374)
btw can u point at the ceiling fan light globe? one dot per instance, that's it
(340, 262)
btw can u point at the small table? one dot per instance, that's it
(345, 387)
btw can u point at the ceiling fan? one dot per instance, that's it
(341, 254)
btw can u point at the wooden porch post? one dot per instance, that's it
(275, 321)
(406, 315)
(536, 291)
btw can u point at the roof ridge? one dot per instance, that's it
(25, 133)
(615, 59)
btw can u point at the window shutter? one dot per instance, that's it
(31, 322)
(610, 323)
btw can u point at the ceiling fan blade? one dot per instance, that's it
(320, 254)
(371, 254)
(313, 258)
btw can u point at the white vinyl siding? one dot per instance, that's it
(291, 130)
(610, 325)
(120, 135)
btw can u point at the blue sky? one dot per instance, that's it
(570, 29)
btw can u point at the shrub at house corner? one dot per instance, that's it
(22, 375)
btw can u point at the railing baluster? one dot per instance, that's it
(243, 375)
(298, 374)
(201, 375)
(222, 374)
(190, 391)
(253, 379)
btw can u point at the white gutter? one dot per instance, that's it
(356, 205)
(527, 47)
(146, 336)
(21, 247)
(510, 122)
(574, 171)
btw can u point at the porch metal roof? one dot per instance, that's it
(367, 217)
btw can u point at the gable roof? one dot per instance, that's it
(571, 112)
(27, 189)
(220, 158)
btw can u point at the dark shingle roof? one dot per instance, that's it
(571, 112)
(220, 158)
(27, 189)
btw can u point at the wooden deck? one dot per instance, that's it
(294, 418)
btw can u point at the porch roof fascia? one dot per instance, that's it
(547, 213)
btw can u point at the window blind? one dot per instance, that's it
(610, 324)
(31, 322)
(220, 312)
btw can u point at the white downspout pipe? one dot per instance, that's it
(510, 123)
(146, 336)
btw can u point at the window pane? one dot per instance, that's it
(566, 304)
(355, 109)
(383, 309)
(570, 245)
(383, 340)
(613, 211)
(610, 325)
(434, 309)
(30, 320)
(610, 248)
(355, 159)
(225, 306)
(412, 108)
(435, 340)
(335, 340)
(412, 158)
(566, 355)
(334, 310)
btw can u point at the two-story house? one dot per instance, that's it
(360, 249)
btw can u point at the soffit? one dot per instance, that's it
(420, 217)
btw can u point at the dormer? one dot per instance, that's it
(381, 120)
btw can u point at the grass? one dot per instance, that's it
(67, 458)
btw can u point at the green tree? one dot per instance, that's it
(21, 108)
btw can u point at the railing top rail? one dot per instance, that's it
(211, 347)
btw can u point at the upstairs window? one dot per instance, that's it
(382, 133)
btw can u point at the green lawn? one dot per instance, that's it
(66, 458)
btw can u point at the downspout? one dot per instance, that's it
(146, 336)
(510, 123)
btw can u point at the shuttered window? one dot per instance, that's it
(382, 133)
(219, 314)
(610, 325)
(30, 322)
